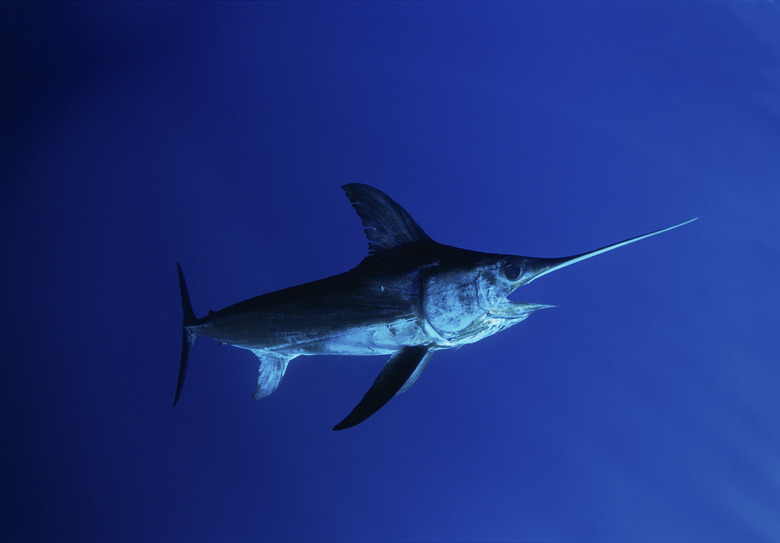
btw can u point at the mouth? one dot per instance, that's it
(516, 310)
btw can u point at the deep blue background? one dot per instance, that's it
(645, 407)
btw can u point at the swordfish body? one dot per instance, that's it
(410, 297)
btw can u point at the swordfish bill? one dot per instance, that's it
(409, 297)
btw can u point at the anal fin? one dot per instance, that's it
(270, 373)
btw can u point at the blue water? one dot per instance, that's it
(643, 408)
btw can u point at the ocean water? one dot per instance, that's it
(644, 407)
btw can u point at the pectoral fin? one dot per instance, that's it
(400, 372)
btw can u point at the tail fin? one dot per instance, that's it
(188, 338)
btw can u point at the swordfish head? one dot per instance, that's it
(465, 294)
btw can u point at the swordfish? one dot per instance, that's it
(410, 297)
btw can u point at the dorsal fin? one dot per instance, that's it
(387, 225)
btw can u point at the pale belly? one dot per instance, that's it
(370, 339)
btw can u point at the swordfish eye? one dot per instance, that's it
(512, 270)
